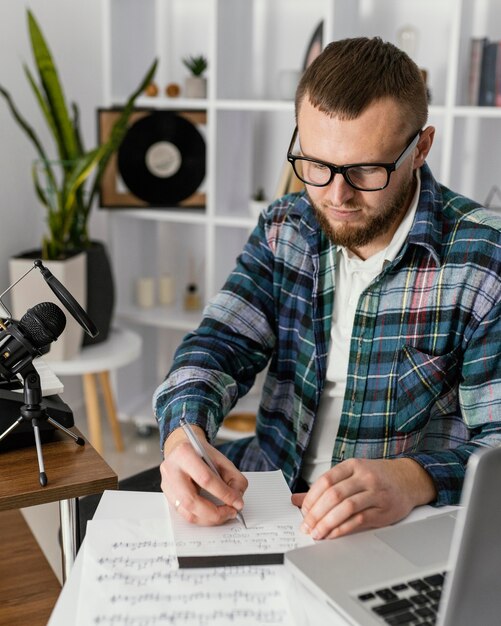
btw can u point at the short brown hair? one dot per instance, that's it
(351, 74)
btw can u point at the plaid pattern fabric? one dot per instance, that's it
(424, 379)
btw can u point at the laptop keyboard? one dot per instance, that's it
(411, 602)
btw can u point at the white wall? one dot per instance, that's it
(73, 31)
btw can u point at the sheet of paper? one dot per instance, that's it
(83, 592)
(130, 576)
(272, 528)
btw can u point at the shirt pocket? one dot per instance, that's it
(422, 380)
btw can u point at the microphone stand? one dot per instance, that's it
(33, 411)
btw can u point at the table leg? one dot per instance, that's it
(93, 415)
(111, 410)
(70, 533)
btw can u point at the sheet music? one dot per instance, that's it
(130, 577)
(83, 592)
(272, 524)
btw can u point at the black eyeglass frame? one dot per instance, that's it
(343, 169)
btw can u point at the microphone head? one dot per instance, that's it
(43, 323)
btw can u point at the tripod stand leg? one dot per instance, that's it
(11, 428)
(38, 443)
(77, 439)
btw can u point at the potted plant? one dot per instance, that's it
(68, 185)
(257, 203)
(195, 86)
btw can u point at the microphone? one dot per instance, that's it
(62, 294)
(21, 342)
(43, 323)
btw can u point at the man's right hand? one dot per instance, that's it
(184, 474)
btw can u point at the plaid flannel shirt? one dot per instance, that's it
(424, 376)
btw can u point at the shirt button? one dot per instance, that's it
(304, 426)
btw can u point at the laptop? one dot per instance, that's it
(444, 569)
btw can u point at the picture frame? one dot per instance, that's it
(114, 192)
(315, 45)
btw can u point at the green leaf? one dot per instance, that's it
(46, 111)
(53, 90)
(76, 126)
(62, 191)
(119, 130)
(24, 124)
(196, 64)
(39, 189)
(81, 170)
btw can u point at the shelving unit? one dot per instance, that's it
(247, 43)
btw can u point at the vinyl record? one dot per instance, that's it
(162, 158)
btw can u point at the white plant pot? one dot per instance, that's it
(195, 87)
(33, 289)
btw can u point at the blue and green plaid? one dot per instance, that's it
(424, 378)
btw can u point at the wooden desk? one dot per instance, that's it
(72, 471)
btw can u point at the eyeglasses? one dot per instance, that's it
(360, 176)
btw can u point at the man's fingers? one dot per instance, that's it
(350, 512)
(204, 477)
(331, 497)
(359, 494)
(201, 511)
(297, 499)
(185, 475)
(336, 475)
(229, 473)
(201, 474)
(185, 496)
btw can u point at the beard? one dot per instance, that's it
(379, 222)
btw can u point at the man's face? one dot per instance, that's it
(361, 221)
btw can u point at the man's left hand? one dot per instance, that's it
(358, 494)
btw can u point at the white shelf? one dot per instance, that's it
(159, 102)
(162, 214)
(255, 105)
(477, 112)
(235, 222)
(168, 317)
(247, 43)
(178, 216)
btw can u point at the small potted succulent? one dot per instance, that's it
(257, 203)
(195, 85)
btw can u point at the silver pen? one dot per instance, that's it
(197, 446)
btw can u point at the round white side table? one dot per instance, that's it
(120, 348)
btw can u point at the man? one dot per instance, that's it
(375, 299)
